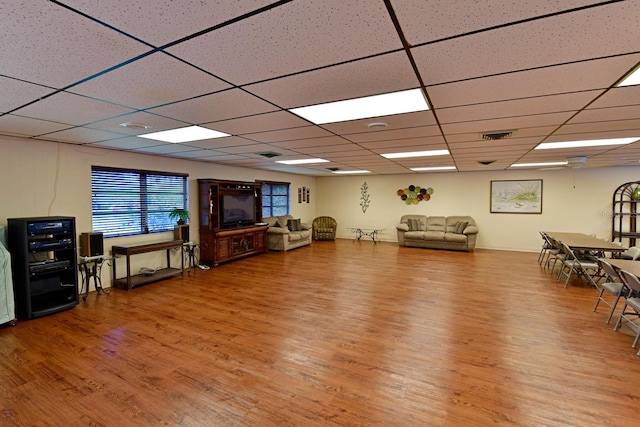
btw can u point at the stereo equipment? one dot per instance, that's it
(91, 244)
(49, 244)
(37, 228)
(181, 232)
(46, 267)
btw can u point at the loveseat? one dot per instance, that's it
(438, 232)
(286, 232)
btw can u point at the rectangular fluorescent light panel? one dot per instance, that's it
(415, 154)
(350, 172)
(301, 161)
(527, 165)
(434, 168)
(586, 143)
(407, 101)
(190, 133)
(631, 79)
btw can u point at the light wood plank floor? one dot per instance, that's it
(336, 334)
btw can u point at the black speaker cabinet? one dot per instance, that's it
(181, 232)
(91, 244)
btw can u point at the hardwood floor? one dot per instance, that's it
(336, 334)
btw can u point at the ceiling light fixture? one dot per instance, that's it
(350, 172)
(632, 79)
(586, 143)
(135, 125)
(534, 165)
(415, 154)
(301, 161)
(187, 134)
(374, 125)
(407, 101)
(433, 168)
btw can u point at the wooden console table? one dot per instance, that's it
(139, 279)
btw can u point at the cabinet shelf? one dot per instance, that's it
(43, 250)
(224, 242)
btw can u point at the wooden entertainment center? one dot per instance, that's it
(230, 217)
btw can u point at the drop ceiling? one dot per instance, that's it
(73, 71)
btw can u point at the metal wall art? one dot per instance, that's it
(364, 197)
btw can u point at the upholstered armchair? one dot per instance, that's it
(324, 228)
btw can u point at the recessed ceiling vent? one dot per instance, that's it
(486, 162)
(333, 169)
(269, 154)
(495, 136)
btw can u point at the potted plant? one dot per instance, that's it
(180, 215)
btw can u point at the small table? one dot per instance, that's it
(189, 249)
(92, 267)
(368, 232)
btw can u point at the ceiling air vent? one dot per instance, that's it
(333, 169)
(576, 162)
(494, 136)
(485, 162)
(269, 154)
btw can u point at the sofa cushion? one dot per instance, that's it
(460, 226)
(283, 220)
(436, 223)
(298, 235)
(271, 221)
(455, 237)
(433, 235)
(414, 224)
(414, 235)
(294, 225)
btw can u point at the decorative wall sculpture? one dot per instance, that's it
(364, 197)
(413, 194)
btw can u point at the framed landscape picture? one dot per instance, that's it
(516, 196)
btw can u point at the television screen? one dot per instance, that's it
(238, 209)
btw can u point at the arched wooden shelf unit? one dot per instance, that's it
(625, 213)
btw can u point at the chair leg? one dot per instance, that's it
(619, 321)
(595, 307)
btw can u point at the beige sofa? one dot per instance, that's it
(281, 238)
(438, 232)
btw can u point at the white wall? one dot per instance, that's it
(50, 179)
(573, 200)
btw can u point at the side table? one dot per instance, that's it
(92, 267)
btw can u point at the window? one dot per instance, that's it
(126, 202)
(275, 198)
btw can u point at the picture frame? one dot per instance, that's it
(516, 196)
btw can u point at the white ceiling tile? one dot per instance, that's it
(357, 79)
(425, 21)
(219, 106)
(161, 22)
(127, 143)
(567, 102)
(394, 134)
(71, 109)
(16, 93)
(154, 80)
(259, 123)
(505, 124)
(394, 122)
(581, 35)
(50, 45)
(586, 76)
(307, 132)
(156, 123)
(220, 143)
(81, 135)
(25, 126)
(295, 37)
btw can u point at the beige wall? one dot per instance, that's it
(44, 178)
(573, 200)
(47, 179)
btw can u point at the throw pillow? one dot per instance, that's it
(294, 225)
(460, 226)
(414, 224)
